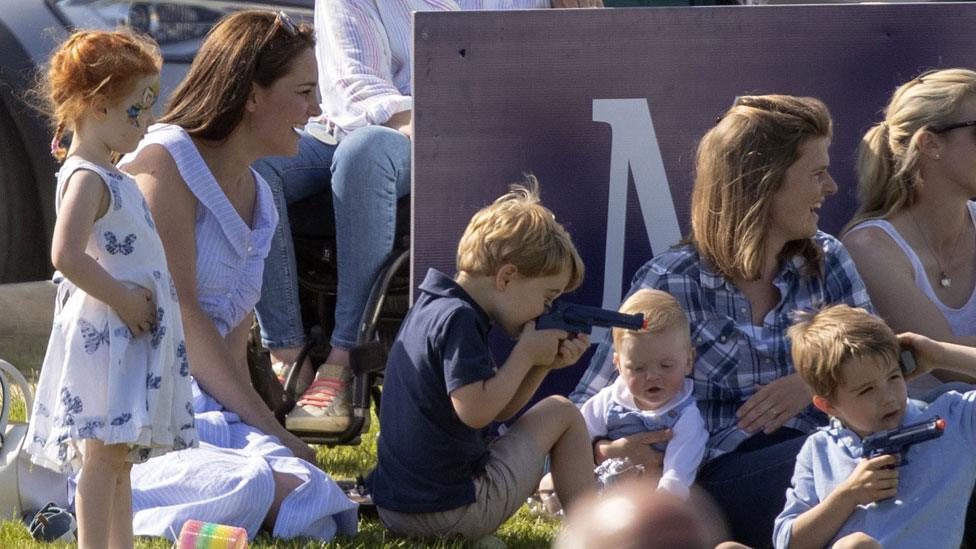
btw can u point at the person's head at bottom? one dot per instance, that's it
(634, 514)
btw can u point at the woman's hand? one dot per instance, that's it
(928, 353)
(637, 448)
(774, 404)
(137, 309)
(401, 122)
(940, 355)
(297, 446)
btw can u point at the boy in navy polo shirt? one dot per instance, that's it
(436, 475)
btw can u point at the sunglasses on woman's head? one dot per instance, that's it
(282, 21)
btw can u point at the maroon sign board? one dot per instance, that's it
(606, 108)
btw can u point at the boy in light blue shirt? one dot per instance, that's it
(849, 359)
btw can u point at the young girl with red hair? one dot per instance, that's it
(114, 388)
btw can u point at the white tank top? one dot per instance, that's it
(962, 321)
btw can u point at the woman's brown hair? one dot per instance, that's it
(246, 48)
(740, 165)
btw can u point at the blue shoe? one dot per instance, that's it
(53, 523)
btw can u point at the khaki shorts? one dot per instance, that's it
(515, 466)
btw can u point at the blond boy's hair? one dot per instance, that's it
(517, 229)
(822, 340)
(661, 312)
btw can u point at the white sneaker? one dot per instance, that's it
(326, 406)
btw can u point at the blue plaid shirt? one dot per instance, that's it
(732, 354)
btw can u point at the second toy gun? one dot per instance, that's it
(898, 440)
(576, 319)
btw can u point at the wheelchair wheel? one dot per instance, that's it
(384, 311)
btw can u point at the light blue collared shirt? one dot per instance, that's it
(230, 253)
(934, 486)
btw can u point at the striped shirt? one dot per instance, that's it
(230, 254)
(363, 52)
(732, 354)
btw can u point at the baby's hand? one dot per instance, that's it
(137, 309)
(539, 346)
(873, 480)
(570, 350)
(638, 448)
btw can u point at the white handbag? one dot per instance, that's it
(23, 486)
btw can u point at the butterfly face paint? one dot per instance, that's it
(149, 96)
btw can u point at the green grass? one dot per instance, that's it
(521, 531)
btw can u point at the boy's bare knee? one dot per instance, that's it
(551, 417)
(556, 400)
(559, 405)
(857, 540)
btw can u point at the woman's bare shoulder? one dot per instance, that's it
(868, 240)
(152, 160)
(875, 251)
(159, 178)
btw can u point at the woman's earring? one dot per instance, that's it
(938, 156)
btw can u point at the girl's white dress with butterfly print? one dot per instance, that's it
(97, 380)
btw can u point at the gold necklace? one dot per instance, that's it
(944, 280)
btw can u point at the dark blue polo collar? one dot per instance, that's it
(439, 284)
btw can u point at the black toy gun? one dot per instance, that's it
(576, 319)
(898, 440)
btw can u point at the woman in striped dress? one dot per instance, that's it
(252, 83)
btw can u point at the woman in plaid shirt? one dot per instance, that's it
(754, 256)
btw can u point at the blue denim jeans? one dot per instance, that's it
(367, 172)
(749, 484)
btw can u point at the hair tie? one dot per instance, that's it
(56, 141)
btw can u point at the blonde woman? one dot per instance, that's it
(913, 235)
(754, 256)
